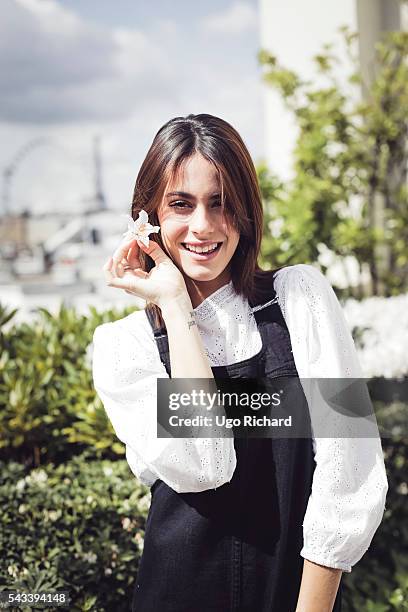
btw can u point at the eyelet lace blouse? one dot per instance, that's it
(349, 486)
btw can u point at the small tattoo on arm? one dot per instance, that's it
(192, 322)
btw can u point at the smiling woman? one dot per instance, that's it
(198, 182)
(266, 523)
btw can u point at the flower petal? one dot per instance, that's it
(149, 229)
(140, 228)
(129, 234)
(130, 222)
(143, 216)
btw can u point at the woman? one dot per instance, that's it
(234, 524)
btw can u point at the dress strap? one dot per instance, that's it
(262, 306)
(268, 311)
(160, 336)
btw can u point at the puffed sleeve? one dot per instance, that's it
(126, 365)
(349, 486)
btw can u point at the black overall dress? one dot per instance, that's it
(235, 548)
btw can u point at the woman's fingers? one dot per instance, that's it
(107, 269)
(138, 273)
(121, 253)
(155, 252)
(123, 270)
(120, 269)
(133, 256)
(131, 280)
(128, 251)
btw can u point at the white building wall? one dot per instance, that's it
(294, 31)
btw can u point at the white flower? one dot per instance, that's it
(38, 477)
(126, 523)
(20, 484)
(13, 570)
(382, 324)
(141, 228)
(139, 541)
(54, 515)
(90, 557)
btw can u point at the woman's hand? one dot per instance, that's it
(161, 285)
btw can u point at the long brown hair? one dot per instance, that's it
(219, 143)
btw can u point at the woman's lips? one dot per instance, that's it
(203, 256)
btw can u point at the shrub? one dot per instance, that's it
(48, 408)
(77, 527)
(379, 582)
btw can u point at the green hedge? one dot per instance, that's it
(80, 527)
(76, 527)
(48, 408)
(379, 582)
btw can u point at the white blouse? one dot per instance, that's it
(349, 486)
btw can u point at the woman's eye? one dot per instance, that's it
(179, 204)
(182, 205)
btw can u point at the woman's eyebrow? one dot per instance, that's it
(184, 194)
(181, 194)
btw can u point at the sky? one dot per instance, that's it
(76, 69)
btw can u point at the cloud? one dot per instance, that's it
(66, 79)
(51, 47)
(59, 68)
(239, 17)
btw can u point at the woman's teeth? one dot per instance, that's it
(206, 249)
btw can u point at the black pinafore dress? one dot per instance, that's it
(235, 548)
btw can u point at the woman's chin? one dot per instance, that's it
(200, 275)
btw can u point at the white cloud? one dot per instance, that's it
(239, 17)
(60, 68)
(50, 47)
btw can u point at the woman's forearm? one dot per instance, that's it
(187, 356)
(318, 588)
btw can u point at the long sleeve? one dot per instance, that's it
(349, 486)
(126, 365)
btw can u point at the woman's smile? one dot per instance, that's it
(202, 251)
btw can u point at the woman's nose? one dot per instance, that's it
(200, 221)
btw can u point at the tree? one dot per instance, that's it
(351, 153)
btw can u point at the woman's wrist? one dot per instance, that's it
(187, 354)
(181, 303)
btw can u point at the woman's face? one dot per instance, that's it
(191, 220)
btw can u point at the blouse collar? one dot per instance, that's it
(209, 307)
